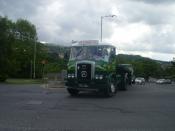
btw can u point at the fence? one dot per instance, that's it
(54, 80)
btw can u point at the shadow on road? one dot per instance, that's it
(91, 95)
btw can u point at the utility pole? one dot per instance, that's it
(101, 28)
(34, 60)
(31, 69)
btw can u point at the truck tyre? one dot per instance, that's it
(110, 90)
(130, 80)
(124, 83)
(73, 92)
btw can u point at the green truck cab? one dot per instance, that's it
(92, 67)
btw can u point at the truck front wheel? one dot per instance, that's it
(73, 92)
(110, 90)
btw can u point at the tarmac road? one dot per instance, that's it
(34, 108)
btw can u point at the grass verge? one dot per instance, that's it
(23, 81)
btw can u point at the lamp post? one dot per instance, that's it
(34, 60)
(102, 23)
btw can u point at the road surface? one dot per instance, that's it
(34, 108)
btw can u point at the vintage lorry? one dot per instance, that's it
(92, 67)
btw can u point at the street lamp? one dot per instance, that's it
(34, 59)
(34, 55)
(102, 22)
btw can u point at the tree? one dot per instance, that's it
(6, 38)
(173, 62)
(57, 58)
(17, 41)
(23, 46)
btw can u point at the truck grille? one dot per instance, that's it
(84, 72)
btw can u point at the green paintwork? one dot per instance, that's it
(100, 66)
(71, 66)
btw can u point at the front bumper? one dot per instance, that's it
(94, 85)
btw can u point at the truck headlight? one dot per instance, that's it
(99, 77)
(71, 76)
(96, 77)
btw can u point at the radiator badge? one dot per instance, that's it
(83, 74)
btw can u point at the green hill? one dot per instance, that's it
(147, 67)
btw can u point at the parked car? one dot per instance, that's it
(163, 81)
(140, 80)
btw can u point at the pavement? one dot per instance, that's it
(149, 107)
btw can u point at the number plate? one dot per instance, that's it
(83, 85)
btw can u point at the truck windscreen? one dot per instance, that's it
(90, 53)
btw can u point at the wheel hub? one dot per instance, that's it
(112, 88)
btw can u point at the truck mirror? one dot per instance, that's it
(113, 51)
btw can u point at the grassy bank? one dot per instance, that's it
(23, 81)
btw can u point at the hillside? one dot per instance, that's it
(124, 58)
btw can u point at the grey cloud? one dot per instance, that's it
(80, 19)
(157, 41)
(156, 1)
(19, 8)
(162, 40)
(156, 47)
(149, 14)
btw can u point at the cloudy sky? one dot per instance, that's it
(142, 27)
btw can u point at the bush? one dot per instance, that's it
(54, 67)
(3, 78)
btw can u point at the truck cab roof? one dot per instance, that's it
(91, 43)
